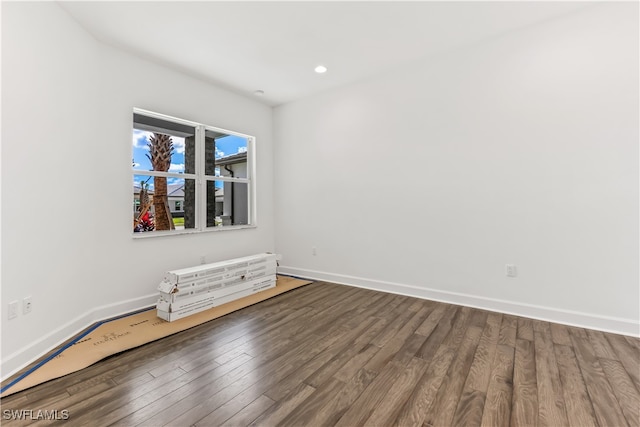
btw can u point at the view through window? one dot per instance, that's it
(189, 177)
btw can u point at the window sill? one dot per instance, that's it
(151, 234)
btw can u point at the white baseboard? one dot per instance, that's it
(614, 325)
(28, 354)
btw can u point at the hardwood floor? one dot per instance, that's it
(327, 354)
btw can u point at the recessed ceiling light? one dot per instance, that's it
(321, 69)
(258, 93)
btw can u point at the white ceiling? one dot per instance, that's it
(274, 46)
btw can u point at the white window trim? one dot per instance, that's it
(200, 178)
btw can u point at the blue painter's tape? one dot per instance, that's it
(69, 344)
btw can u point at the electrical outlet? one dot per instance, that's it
(13, 309)
(26, 305)
(203, 259)
(510, 270)
(314, 251)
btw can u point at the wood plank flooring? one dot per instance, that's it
(328, 354)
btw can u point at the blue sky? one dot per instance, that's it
(224, 147)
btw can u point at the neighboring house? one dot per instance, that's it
(232, 203)
(175, 194)
(175, 199)
(231, 198)
(233, 165)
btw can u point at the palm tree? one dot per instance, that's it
(160, 151)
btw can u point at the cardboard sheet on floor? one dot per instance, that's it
(124, 333)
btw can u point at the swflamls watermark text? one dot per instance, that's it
(35, 414)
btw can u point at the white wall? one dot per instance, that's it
(522, 149)
(67, 105)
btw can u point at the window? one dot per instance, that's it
(189, 177)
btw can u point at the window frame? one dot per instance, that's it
(201, 178)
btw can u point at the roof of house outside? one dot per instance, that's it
(232, 159)
(174, 190)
